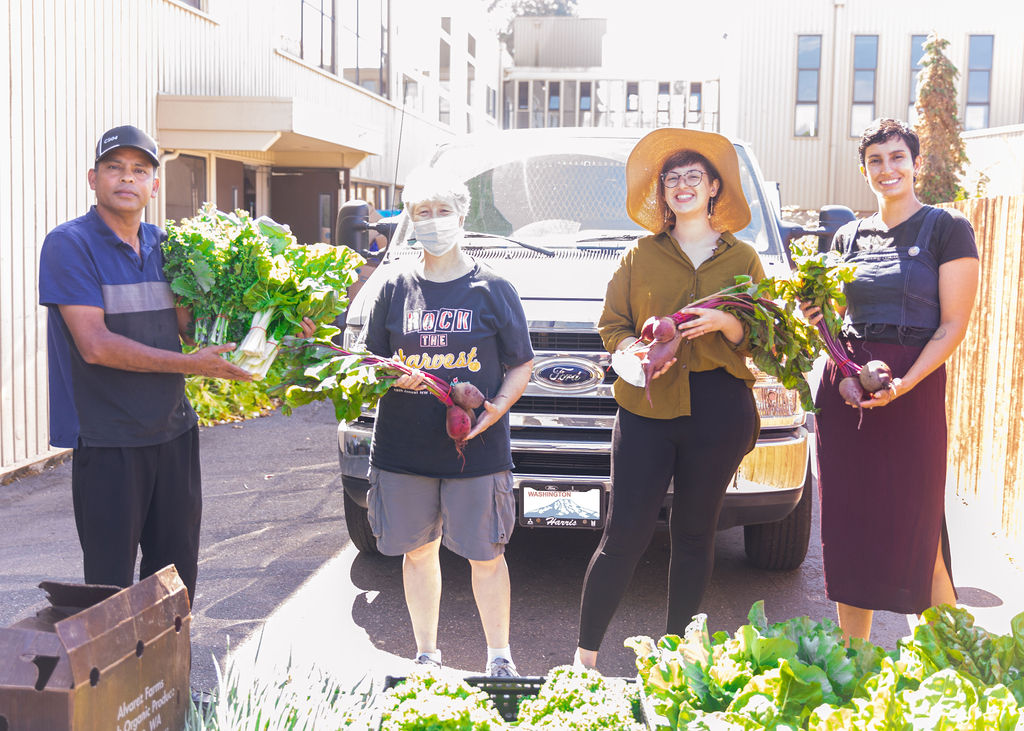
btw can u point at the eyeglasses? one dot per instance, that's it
(691, 178)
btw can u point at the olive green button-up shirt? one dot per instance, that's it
(655, 277)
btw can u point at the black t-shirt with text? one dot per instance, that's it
(472, 328)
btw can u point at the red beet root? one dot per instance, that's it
(656, 357)
(466, 395)
(458, 422)
(875, 376)
(658, 329)
(851, 390)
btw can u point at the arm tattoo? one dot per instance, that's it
(940, 333)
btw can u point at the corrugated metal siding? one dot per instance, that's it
(79, 67)
(558, 42)
(76, 68)
(815, 172)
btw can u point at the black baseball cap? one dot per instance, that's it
(127, 136)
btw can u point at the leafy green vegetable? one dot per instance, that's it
(579, 700)
(250, 281)
(819, 279)
(430, 702)
(798, 674)
(319, 373)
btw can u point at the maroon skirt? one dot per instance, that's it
(882, 488)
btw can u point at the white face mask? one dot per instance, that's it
(438, 235)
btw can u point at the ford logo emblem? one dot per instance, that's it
(568, 374)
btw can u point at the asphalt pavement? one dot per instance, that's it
(280, 584)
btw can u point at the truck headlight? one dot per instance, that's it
(777, 405)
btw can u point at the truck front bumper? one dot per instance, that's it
(766, 487)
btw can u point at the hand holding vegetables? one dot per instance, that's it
(208, 362)
(817, 286)
(778, 342)
(249, 280)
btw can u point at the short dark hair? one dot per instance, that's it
(883, 130)
(677, 160)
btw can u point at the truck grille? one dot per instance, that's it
(566, 405)
(583, 465)
(567, 341)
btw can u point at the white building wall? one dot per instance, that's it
(814, 171)
(996, 160)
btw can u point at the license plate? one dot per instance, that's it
(561, 506)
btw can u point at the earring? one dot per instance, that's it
(711, 206)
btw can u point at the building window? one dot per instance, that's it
(523, 105)
(632, 96)
(808, 69)
(446, 24)
(916, 54)
(362, 44)
(694, 106)
(554, 103)
(979, 82)
(315, 34)
(664, 103)
(492, 102)
(470, 84)
(586, 103)
(444, 110)
(325, 216)
(865, 64)
(444, 64)
(411, 93)
(537, 103)
(471, 45)
(184, 185)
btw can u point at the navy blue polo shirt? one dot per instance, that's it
(83, 262)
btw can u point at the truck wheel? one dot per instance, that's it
(358, 525)
(782, 545)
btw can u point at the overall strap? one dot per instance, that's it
(924, 235)
(854, 246)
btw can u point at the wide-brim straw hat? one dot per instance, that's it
(643, 168)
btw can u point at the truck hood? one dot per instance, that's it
(562, 291)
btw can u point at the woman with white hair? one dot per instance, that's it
(449, 315)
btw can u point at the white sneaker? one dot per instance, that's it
(501, 667)
(425, 659)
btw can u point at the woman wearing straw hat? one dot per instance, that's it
(683, 186)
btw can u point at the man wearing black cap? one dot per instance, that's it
(117, 387)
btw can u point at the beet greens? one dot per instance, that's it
(779, 343)
(819, 279)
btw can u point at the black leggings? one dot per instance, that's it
(700, 453)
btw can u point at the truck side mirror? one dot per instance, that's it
(830, 220)
(353, 225)
(353, 229)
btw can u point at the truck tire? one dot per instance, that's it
(782, 545)
(358, 524)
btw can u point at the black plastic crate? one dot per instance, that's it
(505, 693)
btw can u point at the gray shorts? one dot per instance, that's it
(474, 516)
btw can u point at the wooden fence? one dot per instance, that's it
(985, 389)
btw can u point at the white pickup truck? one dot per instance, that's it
(548, 212)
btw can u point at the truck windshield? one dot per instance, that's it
(571, 192)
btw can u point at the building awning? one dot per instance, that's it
(287, 132)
